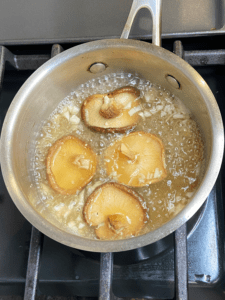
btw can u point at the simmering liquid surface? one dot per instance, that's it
(162, 114)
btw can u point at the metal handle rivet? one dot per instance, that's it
(97, 68)
(172, 81)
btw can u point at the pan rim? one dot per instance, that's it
(78, 242)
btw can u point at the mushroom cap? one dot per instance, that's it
(71, 164)
(119, 116)
(117, 211)
(137, 159)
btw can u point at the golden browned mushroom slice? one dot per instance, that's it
(116, 211)
(71, 164)
(137, 159)
(112, 112)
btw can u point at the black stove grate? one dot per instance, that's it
(32, 62)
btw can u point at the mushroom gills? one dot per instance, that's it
(115, 211)
(71, 164)
(137, 159)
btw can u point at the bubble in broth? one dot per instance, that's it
(162, 114)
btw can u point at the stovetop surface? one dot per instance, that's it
(66, 271)
(75, 20)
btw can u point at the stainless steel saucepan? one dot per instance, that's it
(43, 91)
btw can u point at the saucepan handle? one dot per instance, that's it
(155, 8)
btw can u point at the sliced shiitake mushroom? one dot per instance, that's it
(115, 211)
(137, 159)
(112, 112)
(71, 164)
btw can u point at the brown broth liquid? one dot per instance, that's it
(162, 114)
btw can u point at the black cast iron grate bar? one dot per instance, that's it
(30, 62)
(5, 55)
(181, 266)
(36, 240)
(33, 62)
(33, 264)
(206, 57)
(56, 49)
(2, 67)
(181, 269)
(106, 273)
(181, 262)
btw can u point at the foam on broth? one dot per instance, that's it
(162, 114)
